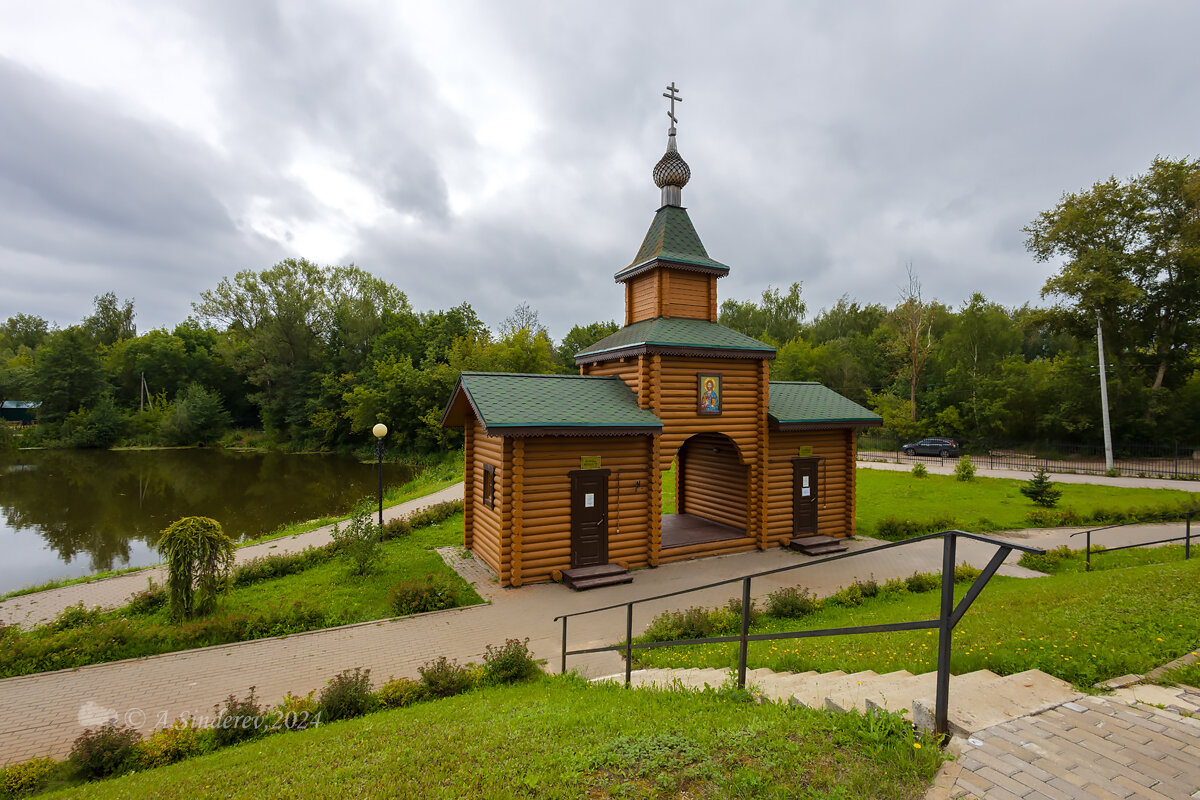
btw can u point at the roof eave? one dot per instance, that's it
(823, 425)
(572, 430)
(633, 270)
(654, 348)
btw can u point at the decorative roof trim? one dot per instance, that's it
(650, 348)
(824, 425)
(687, 266)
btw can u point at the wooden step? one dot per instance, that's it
(817, 545)
(582, 578)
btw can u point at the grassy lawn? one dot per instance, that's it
(562, 738)
(1082, 627)
(989, 504)
(321, 596)
(1061, 559)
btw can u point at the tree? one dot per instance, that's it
(913, 321)
(196, 416)
(777, 319)
(523, 318)
(24, 330)
(580, 337)
(199, 561)
(1040, 490)
(68, 373)
(111, 321)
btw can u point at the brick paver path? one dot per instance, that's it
(34, 609)
(1097, 747)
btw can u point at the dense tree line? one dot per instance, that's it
(314, 356)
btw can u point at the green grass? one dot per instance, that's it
(668, 490)
(1188, 676)
(1082, 627)
(562, 738)
(321, 596)
(1063, 559)
(990, 504)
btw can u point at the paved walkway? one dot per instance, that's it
(45, 712)
(1096, 747)
(34, 609)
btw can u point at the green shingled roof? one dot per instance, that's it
(672, 237)
(506, 400)
(799, 403)
(675, 332)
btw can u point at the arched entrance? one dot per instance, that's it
(711, 485)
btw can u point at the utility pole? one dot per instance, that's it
(1108, 456)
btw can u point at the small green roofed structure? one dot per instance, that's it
(672, 237)
(23, 412)
(807, 405)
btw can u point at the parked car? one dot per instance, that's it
(946, 448)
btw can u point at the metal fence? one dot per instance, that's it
(1174, 460)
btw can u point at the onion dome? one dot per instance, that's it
(671, 173)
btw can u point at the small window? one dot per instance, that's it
(489, 486)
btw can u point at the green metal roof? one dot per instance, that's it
(665, 333)
(672, 237)
(793, 403)
(511, 400)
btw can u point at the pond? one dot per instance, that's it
(68, 513)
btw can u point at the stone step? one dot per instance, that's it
(890, 685)
(817, 545)
(997, 700)
(813, 692)
(583, 584)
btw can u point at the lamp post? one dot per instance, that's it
(380, 431)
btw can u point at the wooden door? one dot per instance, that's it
(589, 517)
(804, 496)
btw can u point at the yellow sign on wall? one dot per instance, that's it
(589, 462)
(805, 451)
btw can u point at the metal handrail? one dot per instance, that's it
(1186, 538)
(948, 618)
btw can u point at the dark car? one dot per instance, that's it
(932, 447)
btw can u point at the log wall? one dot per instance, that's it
(665, 292)
(545, 489)
(484, 533)
(689, 294)
(835, 481)
(642, 298)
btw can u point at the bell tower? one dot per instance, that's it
(671, 276)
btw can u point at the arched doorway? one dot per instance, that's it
(711, 484)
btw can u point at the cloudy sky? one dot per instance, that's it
(496, 153)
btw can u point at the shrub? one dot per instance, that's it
(694, 623)
(1053, 518)
(894, 586)
(277, 565)
(199, 558)
(919, 471)
(444, 678)
(849, 597)
(417, 596)
(27, 777)
(734, 607)
(239, 721)
(108, 750)
(197, 415)
(359, 539)
(76, 616)
(1041, 490)
(395, 528)
(508, 664)
(964, 470)
(295, 713)
(182, 739)
(347, 695)
(1048, 561)
(792, 602)
(148, 600)
(868, 588)
(965, 573)
(923, 582)
(399, 692)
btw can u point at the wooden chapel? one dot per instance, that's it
(564, 472)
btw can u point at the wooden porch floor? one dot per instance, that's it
(682, 530)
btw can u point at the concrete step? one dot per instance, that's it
(889, 685)
(813, 692)
(983, 704)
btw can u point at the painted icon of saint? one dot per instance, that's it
(710, 401)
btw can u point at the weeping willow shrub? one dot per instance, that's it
(199, 561)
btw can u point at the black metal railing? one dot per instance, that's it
(947, 619)
(1186, 538)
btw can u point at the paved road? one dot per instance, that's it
(947, 468)
(34, 609)
(44, 713)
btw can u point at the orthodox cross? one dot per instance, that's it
(670, 95)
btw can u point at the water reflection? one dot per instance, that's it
(69, 513)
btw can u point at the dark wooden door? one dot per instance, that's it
(804, 496)
(589, 517)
